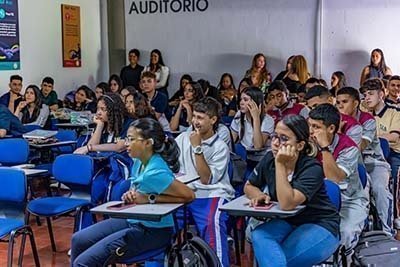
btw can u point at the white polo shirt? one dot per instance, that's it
(217, 155)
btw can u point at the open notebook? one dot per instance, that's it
(39, 134)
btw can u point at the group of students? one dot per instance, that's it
(307, 133)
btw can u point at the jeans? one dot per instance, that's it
(277, 243)
(394, 160)
(112, 240)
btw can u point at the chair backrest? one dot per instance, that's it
(13, 151)
(385, 147)
(73, 169)
(333, 192)
(13, 193)
(362, 172)
(65, 135)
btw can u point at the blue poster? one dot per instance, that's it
(9, 35)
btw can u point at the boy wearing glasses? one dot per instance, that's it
(279, 95)
(339, 156)
(205, 154)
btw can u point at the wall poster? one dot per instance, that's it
(9, 35)
(71, 36)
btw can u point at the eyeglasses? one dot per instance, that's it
(282, 138)
(130, 139)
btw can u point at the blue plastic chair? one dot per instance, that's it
(13, 151)
(65, 135)
(385, 147)
(12, 205)
(75, 171)
(362, 172)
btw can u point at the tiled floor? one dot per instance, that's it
(62, 230)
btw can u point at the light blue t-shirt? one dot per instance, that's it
(155, 178)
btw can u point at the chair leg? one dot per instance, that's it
(11, 249)
(33, 246)
(22, 248)
(236, 240)
(53, 243)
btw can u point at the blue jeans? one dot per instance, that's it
(98, 244)
(277, 243)
(394, 161)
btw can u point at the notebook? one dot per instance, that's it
(39, 134)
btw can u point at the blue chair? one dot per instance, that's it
(385, 147)
(65, 135)
(12, 205)
(13, 151)
(75, 171)
(362, 172)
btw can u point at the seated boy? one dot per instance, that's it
(339, 155)
(205, 154)
(49, 95)
(9, 123)
(348, 101)
(12, 98)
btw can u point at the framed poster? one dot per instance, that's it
(71, 36)
(9, 35)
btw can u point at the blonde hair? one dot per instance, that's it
(299, 67)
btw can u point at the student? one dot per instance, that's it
(338, 80)
(32, 111)
(111, 127)
(130, 74)
(297, 75)
(377, 67)
(49, 96)
(9, 123)
(339, 155)
(183, 113)
(203, 153)
(126, 91)
(291, 177)
(251, 126)
(83, 100)
(174, 100)
(393, 95)
(158, 101)
(227, 95)
(349, 126)
(13, 97)
(160, 70)
(259, 69)
(138, 107)
(152, 181)
(288, 68)
(115, 83)
(279, 95)
(348, 101)
(101, 89)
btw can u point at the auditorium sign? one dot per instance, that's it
(167, 6)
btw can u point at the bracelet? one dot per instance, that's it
(87, 147)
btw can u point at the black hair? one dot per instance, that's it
(373, 84)
(209, 106)
(341, 77)
(222, 78)
(299, 126)
(160, 62)
(48, 80)
(26, 117)
(394, 78)
(15, 77)
(312, 80)
(185, 77)
(165, 146)
(134, 51)
(143, 109)
(278, 85)
(115, 112)
(104, 86)
(116, 78)
(198, 91)
(317, 90)
(131, 89)
(382, 67)
(352, 92)
(328, 114)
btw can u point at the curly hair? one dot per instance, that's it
(115, 112)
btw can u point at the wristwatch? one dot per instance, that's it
(325, 148)
(198, 150)
(152, 199)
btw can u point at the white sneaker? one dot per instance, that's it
(69, 253)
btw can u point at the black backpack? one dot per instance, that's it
(376, 248)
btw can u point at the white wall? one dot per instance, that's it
(352, 29)
(41, 44)
(225, 37)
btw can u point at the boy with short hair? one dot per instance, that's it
(49, 95)
(13, 97)
(205, 154)
(339, 156)
(349, 126)
(348, 101)
(130, 74)
(393, 96)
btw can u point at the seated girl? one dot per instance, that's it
(101, 89)
(115, 84)
(227, 95)
(178, 96)
(113, 240)
(138, 107)
(291, 177)
(32, 111)
(111, 126)
(84, 99)
(182, 114)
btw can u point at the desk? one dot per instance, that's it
(34, 172)
(240, 207)
(72, 125)
(148, 212)
(52, 145)
(185, 178)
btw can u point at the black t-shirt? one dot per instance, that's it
(308, 178)
(131, 76)
(292, 86)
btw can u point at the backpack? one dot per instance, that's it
(376, 248)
